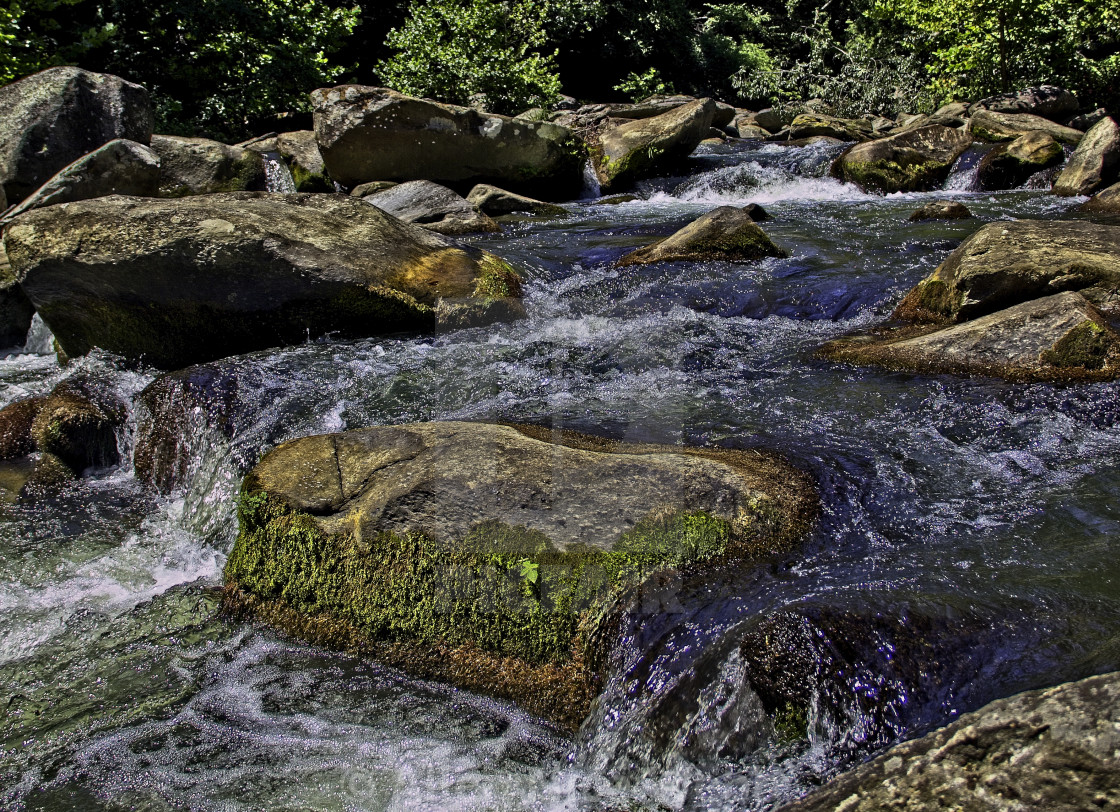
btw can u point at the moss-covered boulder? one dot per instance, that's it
(199, 166)
(912, 161)
(650, 146)
(433, 207)
(121, 167)
(727, 233)
(372, 133)
(490, 556)
(1055, 338)
(1056, 748)
(986, 125)
(1008, 166)
(50, 119)
(1005, 263)
(1094, 164)
(940, 210)
(173, 282)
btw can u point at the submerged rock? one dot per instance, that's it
(1005, 263)
(494, 201)
(941, 210)
(645, 148)
(915, 160)
(490, 556)
(727, 233)
(432, 206)
(199, 166)
(1048, 101)
(50, 119)
(1094, 164)
(172, 282)
(1057, 748)
(120, 167)
(1055, 338)
(989, 126)
(1008, 166)
(372, 133)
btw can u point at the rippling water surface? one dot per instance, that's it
(966, 548)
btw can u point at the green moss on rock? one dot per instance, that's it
(1086, 346)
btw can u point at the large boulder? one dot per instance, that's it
(172, 282)
(1005, 263)
(1008, 166)
(1106, 201)
(1057, 748)
(432, 206)
(1094, 164)
(727, 233)
(200, 166)
(121, 167)
(370, 133)
(915, 160)
(988, 126)
(807, 125)
(52, 118)
(490, 556)
(1047, 101)
(644, 148)
(1054, 338)
(495, 202)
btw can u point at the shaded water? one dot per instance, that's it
(966, 548)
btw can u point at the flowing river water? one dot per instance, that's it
(966, 548)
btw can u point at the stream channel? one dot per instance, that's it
(966, 547)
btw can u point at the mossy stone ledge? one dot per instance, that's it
(491, 556)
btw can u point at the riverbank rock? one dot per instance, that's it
(119, 168)
(915, 160)
(1094, 164)
(1054, 338)
(199, 166)
(50, 119)
(433, 207)
(1007, 166)
(370, 133)
(988, 126)
(495, 202)
(1057, 748)
(807, 125)
(173, 282)
(1104, 202)
(644, 148)
(728, 234)
(941, 210)
(1048, 101)
(1005, 263)
(490, 556)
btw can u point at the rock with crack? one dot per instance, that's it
(490, 556)
(174, 282)
(1057, 748)
(728, 234)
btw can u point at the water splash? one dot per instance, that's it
(278, 176)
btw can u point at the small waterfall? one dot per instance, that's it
(40, 340)
(965, 175)
(279, 177)
(591, 187)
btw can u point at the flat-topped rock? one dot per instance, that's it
(1057, 748)
(989, 126)
(728, 233)
(174, 282)
(504, 545)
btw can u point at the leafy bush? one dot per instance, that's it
(642, 86)
(453, 50)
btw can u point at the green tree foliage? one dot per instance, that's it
(978, 47)
(455, 49)
(214, 67)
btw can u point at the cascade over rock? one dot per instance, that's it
(172, 282)
(371, 133)
(50, 119)
(914, 160)
(529, 537)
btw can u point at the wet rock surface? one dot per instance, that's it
(728, 233)
(941, 210)
(914, 160)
